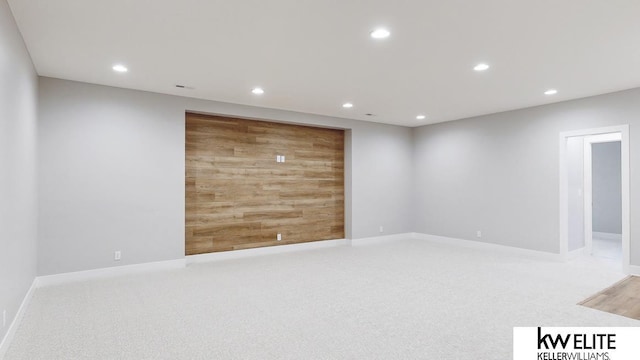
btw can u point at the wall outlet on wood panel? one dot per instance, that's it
(117, 255)
(279, 237)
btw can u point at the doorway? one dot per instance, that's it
(603, 195)
(593, 219)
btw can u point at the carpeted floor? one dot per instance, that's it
(408, 299)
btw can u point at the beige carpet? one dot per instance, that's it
(406, 299)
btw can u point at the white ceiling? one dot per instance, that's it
(312, 56)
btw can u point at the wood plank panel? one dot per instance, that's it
(239, 197)
(622, 298)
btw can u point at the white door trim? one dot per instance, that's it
(623, 130)
(588, 184)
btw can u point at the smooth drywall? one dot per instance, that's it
(111, 167)
(500, 173)
(112, 173)
(18, 142)
(607, 187)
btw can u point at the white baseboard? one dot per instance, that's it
(64, 278)
(607, 236)
(11, 332)
(484, 245)
(381, 239)
(634, 270)
(280, 249)
(50, 280)
(56, 279)
(238, 254)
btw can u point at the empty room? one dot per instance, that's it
(319, 180)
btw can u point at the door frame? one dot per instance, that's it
(564, 189)
(588, 183)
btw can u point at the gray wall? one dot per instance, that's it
(112, 173)
(112, 162)
(18, 214)
(500, 174)
(607, 187)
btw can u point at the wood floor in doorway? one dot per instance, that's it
(622, 298)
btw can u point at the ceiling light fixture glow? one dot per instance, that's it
(380, 33)
(551, 92)
(421, 117)
(120, 68)
(257, 91)
(347, 105)
(481, 67)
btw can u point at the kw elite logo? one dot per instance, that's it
(593, 346)
(576, 343)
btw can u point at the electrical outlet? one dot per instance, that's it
(381, 228)
(479, 233)
(282, 158)
(117, 255)
(279, 237)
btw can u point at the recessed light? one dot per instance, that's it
(120, 68)
(257, 91)
(380, 33)
(551, 92)
(481, 67)
(347, 105)
(421, 117)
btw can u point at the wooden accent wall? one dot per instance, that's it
(238, 196)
